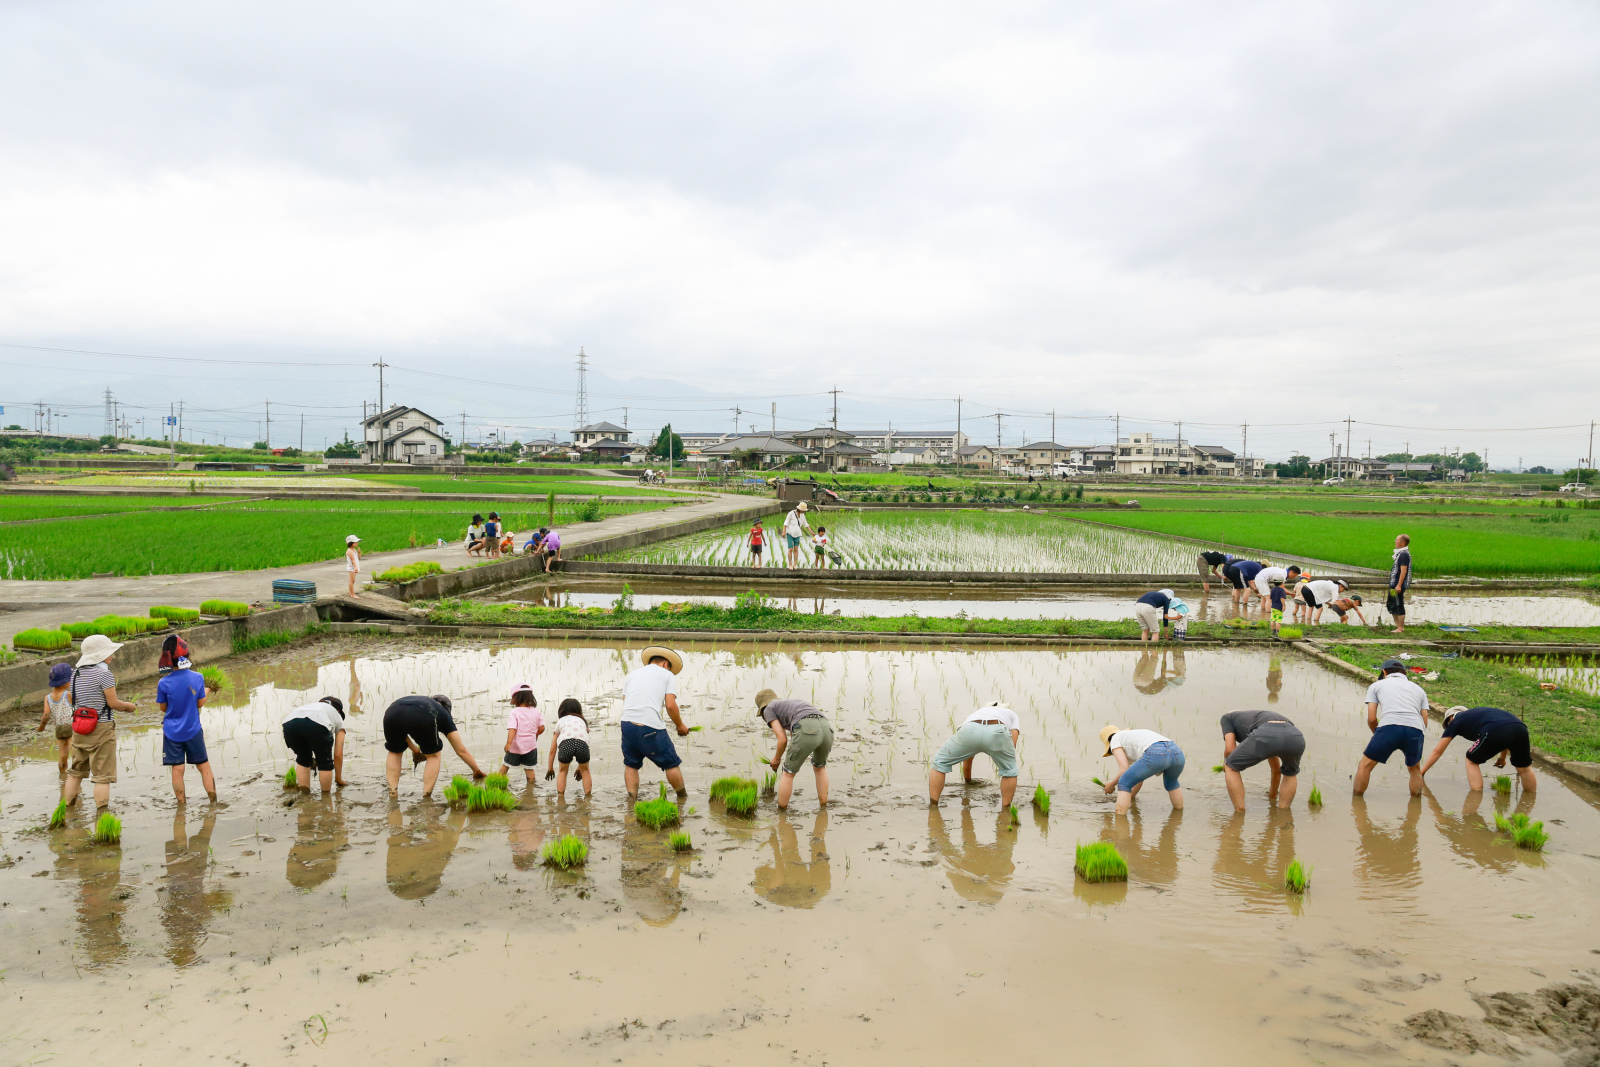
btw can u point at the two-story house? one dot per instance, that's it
(403, 435)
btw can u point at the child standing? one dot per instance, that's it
(758, 537)
(180, 695)
(570, 743)
(524, 724)
(819, 547)
(352, 560)
(58, 711)
(491, 534)
(1278, 596)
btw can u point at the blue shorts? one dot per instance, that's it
(1163, 758)
(794, 542)
(177, 753)
(1387, 740)
(640, 743)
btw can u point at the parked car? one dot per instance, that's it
(1333, 481)
(1573, 487)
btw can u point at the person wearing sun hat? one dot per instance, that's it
(1494, 732)
(352, 560)
(802, 731)
(794, 526)
(645, 692)
(94, 754)
(1142, 754)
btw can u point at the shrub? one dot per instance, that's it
(1101, 862)
(741, 801)
(589, 510)
(231, 608)
(723, 786)
(216, 678)
(1041, 799)
(410, 572)
(42, 640)
(1297, 879)
(567, 851)
(657, 813)
(679, 840)
(108, 830)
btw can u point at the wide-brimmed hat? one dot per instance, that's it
(97, 648)
(674, 661)
(765, 697)
(1105, 737)
(801, 506)
(352, 539)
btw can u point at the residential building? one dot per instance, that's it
(599, 431)
(1040, 457)
(403, 435)
(1100, 457)
(1145, 453)
(926, 455)
(1399, 472)
(607, 450)
(975, 456)
(694, 442)
(769, 450)
(947, 443)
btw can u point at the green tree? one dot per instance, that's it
(1581, 474)
(666, 440)
(345, 449)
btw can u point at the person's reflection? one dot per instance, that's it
(1157, 862)
(1255, 869)
(1274, 678)
(1386, 859)
(650, 874)
(101, 897)
(419, 853)
(1150, 674)
(979, 873)
(1469, 834)
(789, 880)
(186, 908)
(1180, 667)
(319, 838)
(526, 838)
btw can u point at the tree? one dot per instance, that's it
(1540, 470)
(746, 457)
(1297, 467)
(108, 439)
(665, 440)
(345, 449)
(13, 426)
(261, 446)
(1472, 462)
(1581, 474)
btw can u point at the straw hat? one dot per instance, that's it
(801, 506)
(763, 698)
(674, 661)
(1453, 712)
(1105, 737)
(97, 648)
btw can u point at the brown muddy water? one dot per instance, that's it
(819, 597)
(277, 926)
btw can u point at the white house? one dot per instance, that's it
(596, 432)
(403, 435)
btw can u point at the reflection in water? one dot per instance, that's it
(789, 880)
(526, 837)
(650, 874)
(102, 898)
(1157, 862)
(1255, 869)
(978, 872)
(1274, 678)
(319, 838)
(187, 909)
(1386, 859)
(1153, 672)
(419, 853)
(1472, 836)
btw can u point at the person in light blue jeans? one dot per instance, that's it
(992, 730)
(1142, 754)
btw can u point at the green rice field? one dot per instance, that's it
(16, 508)
(583, 485)
(942, 540)
(249, 535)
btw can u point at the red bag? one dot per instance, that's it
(84, 720)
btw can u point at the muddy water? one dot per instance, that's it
(879, 931)
(855, 599)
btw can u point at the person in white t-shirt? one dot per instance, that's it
(1397, 715)
(1267, 575)
(1142, 754)
(1319, 594)
(315, 733)
(570, 745)
(795, 526)
(992, 730)
(645, 692)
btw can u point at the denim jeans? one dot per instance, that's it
(1163, 758)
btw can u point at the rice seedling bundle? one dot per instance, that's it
(567, 851)
(1100, 862)
(1041, 799)
(231, 608)
(58, 818)
(679, 840)
(741, 801)
(108, 829)
(483, 798)
(1291, 633)
(660, 812)
(496, 781)
(1218, 768)
(723, 786)
(215, 677)
(39, 640)
(161, 611)
(1016, 818)
(410, 572)
(1502, 784)
(1524, 832)
(769, 784)
(1297, 879)
(291, 779)
(1315, 799)
(1098, 782)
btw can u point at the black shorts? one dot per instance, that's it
(755, 550)
(312, 743)
(404, 720)
(1395, 603)
(1497, 739)
(522, 759)
(573, 749)
(1283, 740)
(1235, 579)
(1309, 597)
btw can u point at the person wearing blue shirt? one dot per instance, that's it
(1494, 732)
(1243, 574)
(180, 695)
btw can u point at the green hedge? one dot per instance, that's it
(410, 572)
(230, 608)
(42, 640)
(161, 611)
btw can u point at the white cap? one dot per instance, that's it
(352, 539)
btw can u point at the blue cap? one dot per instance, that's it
(60, 674)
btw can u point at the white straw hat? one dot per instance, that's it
(97, 648)
(352, 539)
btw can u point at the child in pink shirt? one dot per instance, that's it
(524, 724)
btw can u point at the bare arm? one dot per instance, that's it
(1433, 757)
(116, 703)
(1122, 764)
(1400, 582)
(1372, 717)
(511, 735)
(783, 742)
(338, 756)
(677, 719)
(44, 719)
(461, 750)
(1229, 743)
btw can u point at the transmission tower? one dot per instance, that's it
(583, 390)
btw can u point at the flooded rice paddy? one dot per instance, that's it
(876, 931)
(817, 596)
(942, 540)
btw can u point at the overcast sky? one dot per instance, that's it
(1277, 213)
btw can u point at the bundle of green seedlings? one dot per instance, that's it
(723, 786)
(108, 830)
(485, 798)
(1101, 862)
(496, 781)
(291, 779)
(567, 851)
(58, 818)
(662, 812)
(1502, 785)
(679, 840)
(216, 678)
(1218, 768)
(409, 573)
(741, 801)
(457, 790)
(1297, 879)
(769, 784)
(1525, 833)
(1016, 819)
(1291, 633)
(1315, 799)
(231, 608)
(162, 611)
(37, 640)
(1041, 799)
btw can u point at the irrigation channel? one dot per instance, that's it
(813, 594)
(879, 931)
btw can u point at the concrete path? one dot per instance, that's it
(25, 604)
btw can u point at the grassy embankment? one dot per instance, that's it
(1565, 722)
(250, 535)
(507, 486)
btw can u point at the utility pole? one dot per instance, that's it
(582, 413)
(1347, 422)
(268, 438)
(957, 456)
(1331, 448)
(1244, 449)
(1180, 446)
(835, 393)
(383, 451)
(180, 420)
(997, 417)
(1052, 427)
(302, 431)
(111, 417)
(774, 419)
(1590, 464)
(172, 431)
(736, 414)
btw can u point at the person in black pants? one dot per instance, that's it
(422, 724)
(315, 734)
(1493, 732)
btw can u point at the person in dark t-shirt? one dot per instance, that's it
(1399, 582)
(1251, 737)
(1208, 564)
(1495, 734)
(422, 724)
